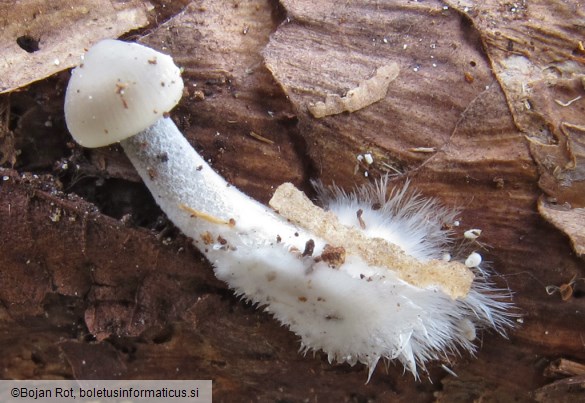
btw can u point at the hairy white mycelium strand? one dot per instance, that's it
(452, 278)
(419, 226)
(402, 217)
(333, 299)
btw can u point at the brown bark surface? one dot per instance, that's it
(96, 283)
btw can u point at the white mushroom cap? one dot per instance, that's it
(119, 90)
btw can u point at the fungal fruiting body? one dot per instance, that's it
(363, 279)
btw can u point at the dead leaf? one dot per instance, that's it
(40, 38)
(534, 49)
(570, 221)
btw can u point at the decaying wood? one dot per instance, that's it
(95, 283)
(564, 367)
(564, 391)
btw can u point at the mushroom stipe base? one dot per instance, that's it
(356, 312)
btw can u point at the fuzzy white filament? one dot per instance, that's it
(343, 305)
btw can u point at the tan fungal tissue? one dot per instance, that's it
(453, 278)
(366, 93)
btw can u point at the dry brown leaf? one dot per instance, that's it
(39, 38)
(570, 221)
(536, 52)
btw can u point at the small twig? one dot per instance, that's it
(261, 138)
(564, 367)
(423, 149)
(569, 102)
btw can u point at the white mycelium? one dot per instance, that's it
(365, 280)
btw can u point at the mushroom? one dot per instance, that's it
(122, 92)
(362, 281)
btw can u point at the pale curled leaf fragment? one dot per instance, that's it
(568, 103)
(365, 94)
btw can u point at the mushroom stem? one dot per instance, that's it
(206, 208)
(198, 200)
